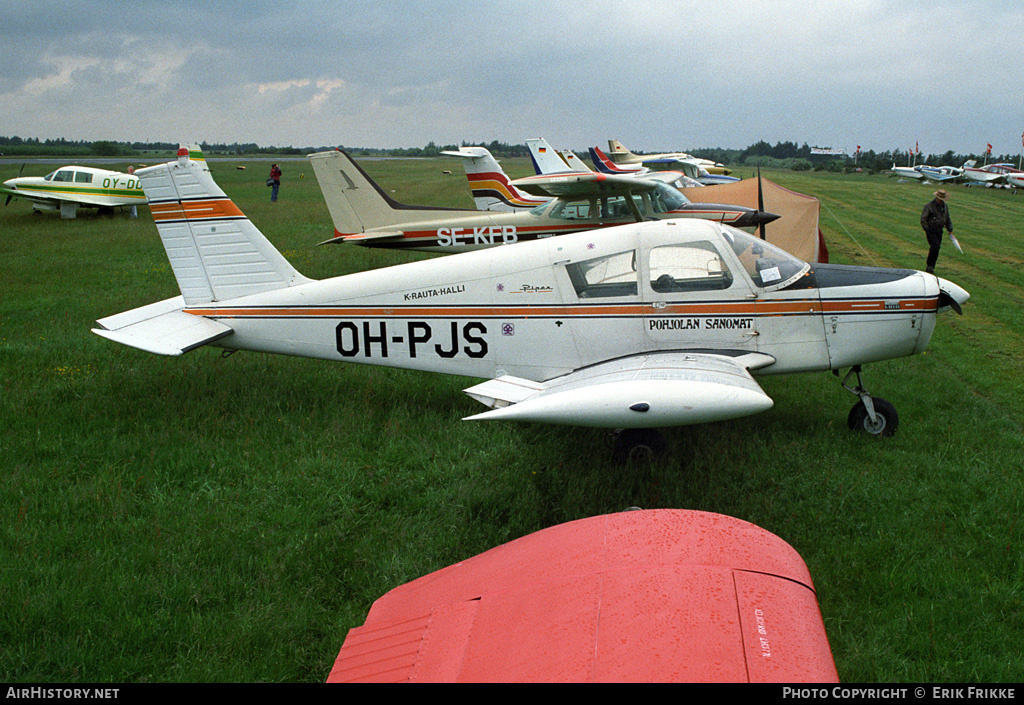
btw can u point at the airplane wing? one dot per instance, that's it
(589, 184)
(644, 391)
(687, 167)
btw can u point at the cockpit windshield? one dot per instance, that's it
(666, 198)
(770, 267)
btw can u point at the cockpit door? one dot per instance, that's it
(694, 298)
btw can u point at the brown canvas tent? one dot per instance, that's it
(796, 231)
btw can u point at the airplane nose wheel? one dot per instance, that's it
(872, 415)
(638, 446)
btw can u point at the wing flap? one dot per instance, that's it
(645, 391)
(162, 328)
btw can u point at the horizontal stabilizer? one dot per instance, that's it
(645, 391)
(162, 328)
(366, 237)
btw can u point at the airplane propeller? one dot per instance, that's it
(760, 203)
(11, 195)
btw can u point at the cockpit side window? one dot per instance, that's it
(612, 275)
(579, 209)
(691, 266)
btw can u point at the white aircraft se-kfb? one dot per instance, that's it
(637, 327)
(364, 214)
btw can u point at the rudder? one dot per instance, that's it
(215, 251)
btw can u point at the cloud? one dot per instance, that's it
(664, 74)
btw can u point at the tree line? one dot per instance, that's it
(780, 155)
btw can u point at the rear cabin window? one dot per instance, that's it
(613, 275)
(693, 266)
(83, 177)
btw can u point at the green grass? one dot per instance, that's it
(210, 518)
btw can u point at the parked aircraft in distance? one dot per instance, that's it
(906, 172)
(364, 214)
(642, 596)
(621, 155)
(72, 187)
(547, 161)
(692, 172)
(990, 174)
(489, 185)
(646, 325)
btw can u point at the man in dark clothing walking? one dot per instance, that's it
(934, 218)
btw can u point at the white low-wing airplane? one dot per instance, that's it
(72, 187)
(640, 326)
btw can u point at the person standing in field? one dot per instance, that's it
(133, 212)
(275, 181)
(935, 218)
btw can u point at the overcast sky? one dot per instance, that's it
(656, 74)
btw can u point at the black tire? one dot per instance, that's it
(639, 446)
(888, 419)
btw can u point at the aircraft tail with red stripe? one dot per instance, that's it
(215, 250)
(607, 166)
(216, 254)
(492, 189)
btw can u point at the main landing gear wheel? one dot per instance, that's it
(886, 419)
(872, 415)
(638, 446)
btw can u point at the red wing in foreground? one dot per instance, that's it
(659, 595)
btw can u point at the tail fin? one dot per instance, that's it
(545, 159)
(607, 166)
(492, 189)
(215, 250)
(574, 162)
(619, 153)
(356, 202)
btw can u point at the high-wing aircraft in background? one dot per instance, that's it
(646, 325)
(620, 155)
(72, 187)
(549, 161)
(691, 173)
(364, 214)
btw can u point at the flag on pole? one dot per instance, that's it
(989, 150)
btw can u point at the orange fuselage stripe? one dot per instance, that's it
(718, 308)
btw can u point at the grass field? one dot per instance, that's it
(210, 518)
